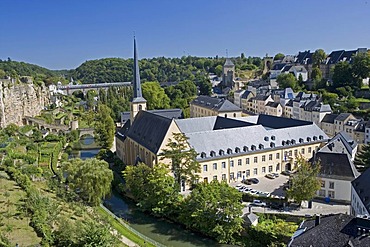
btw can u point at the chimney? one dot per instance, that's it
(317, 220)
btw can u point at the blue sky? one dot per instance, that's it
(64, 34)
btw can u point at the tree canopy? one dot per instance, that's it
(286, 80)
(362, 159)
(279, 56)
(104, 127)
(215, 208)
(155, 96)
(183, 159)
(90, 178)
(304, 183)
(318, 57)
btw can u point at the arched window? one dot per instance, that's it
(203, 155)
(260, 146)
(300, 140)
(213, 153)
(140, 107)
(234, 114)
(229, 151)
(253, 147)
(237, 150)
(272, 145)
(221, 152)
(225, 115)
(245, 149)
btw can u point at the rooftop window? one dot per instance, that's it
(203, 155)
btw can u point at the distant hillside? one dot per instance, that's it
(159, 69)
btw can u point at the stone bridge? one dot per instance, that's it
(70, 89)
(86, 131)
(40, 124)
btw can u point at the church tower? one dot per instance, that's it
(138, 103)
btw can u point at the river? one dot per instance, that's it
(160, 230)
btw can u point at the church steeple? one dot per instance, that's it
(138, 102)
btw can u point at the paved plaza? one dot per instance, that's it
(275, 187)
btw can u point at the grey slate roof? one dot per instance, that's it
(280, 122)
(342, 116)
(340, 143)
(289, 103)
(250, 218)
(168, 113)
(273, 104)
(329, 118)
(149, 130)
(304, 57)
(257, 136)
(228, 63)
(246, 94)
(221, 105)
(336, 166)
(361, 185)
(339, 230)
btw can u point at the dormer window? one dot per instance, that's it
(273, 138)
(266, 138)
(253, 147)
(293, 141)
(260, 146)
(213, 153)
(308, 139)
(287, 142)
(283, 143)
(237, 150)
(203, 155)
(315, 138)
(272, 145)
(229, 151)
(321, 137)
(221, 152)
(300, 140)
(245, 149)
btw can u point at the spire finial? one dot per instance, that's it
(227, 53)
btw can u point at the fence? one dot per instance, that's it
(147, 239)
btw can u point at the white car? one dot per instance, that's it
(252, 192)
(258, 203)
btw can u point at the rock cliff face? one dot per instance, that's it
(18, 100)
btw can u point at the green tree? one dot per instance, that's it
(362, 159)
(318, 57)
(286, 80)
(218, 70)
(204, 85)
(215, 210)
(183, 159)
(96, 235)
(155, 96)
(279, 56)
(91, 178)
(342, 76)
(316, 74)
(361, 66)
(304, 183)
(104, 127)
(136, 180)
(2, 74)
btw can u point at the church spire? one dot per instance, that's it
(138, 97)
(138, 103)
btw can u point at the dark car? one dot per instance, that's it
(254, 180)
(287, 173)
(246, 181)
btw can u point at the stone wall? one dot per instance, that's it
(18, 100)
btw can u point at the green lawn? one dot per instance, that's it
(13, 224)
(122, 229)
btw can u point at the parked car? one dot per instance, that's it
(239, 185)
(254, 180)
(287, 173)
(246, 190)
(252, 192)
(270, 176)
(275, 174)
(258, 203)
(247, 181)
